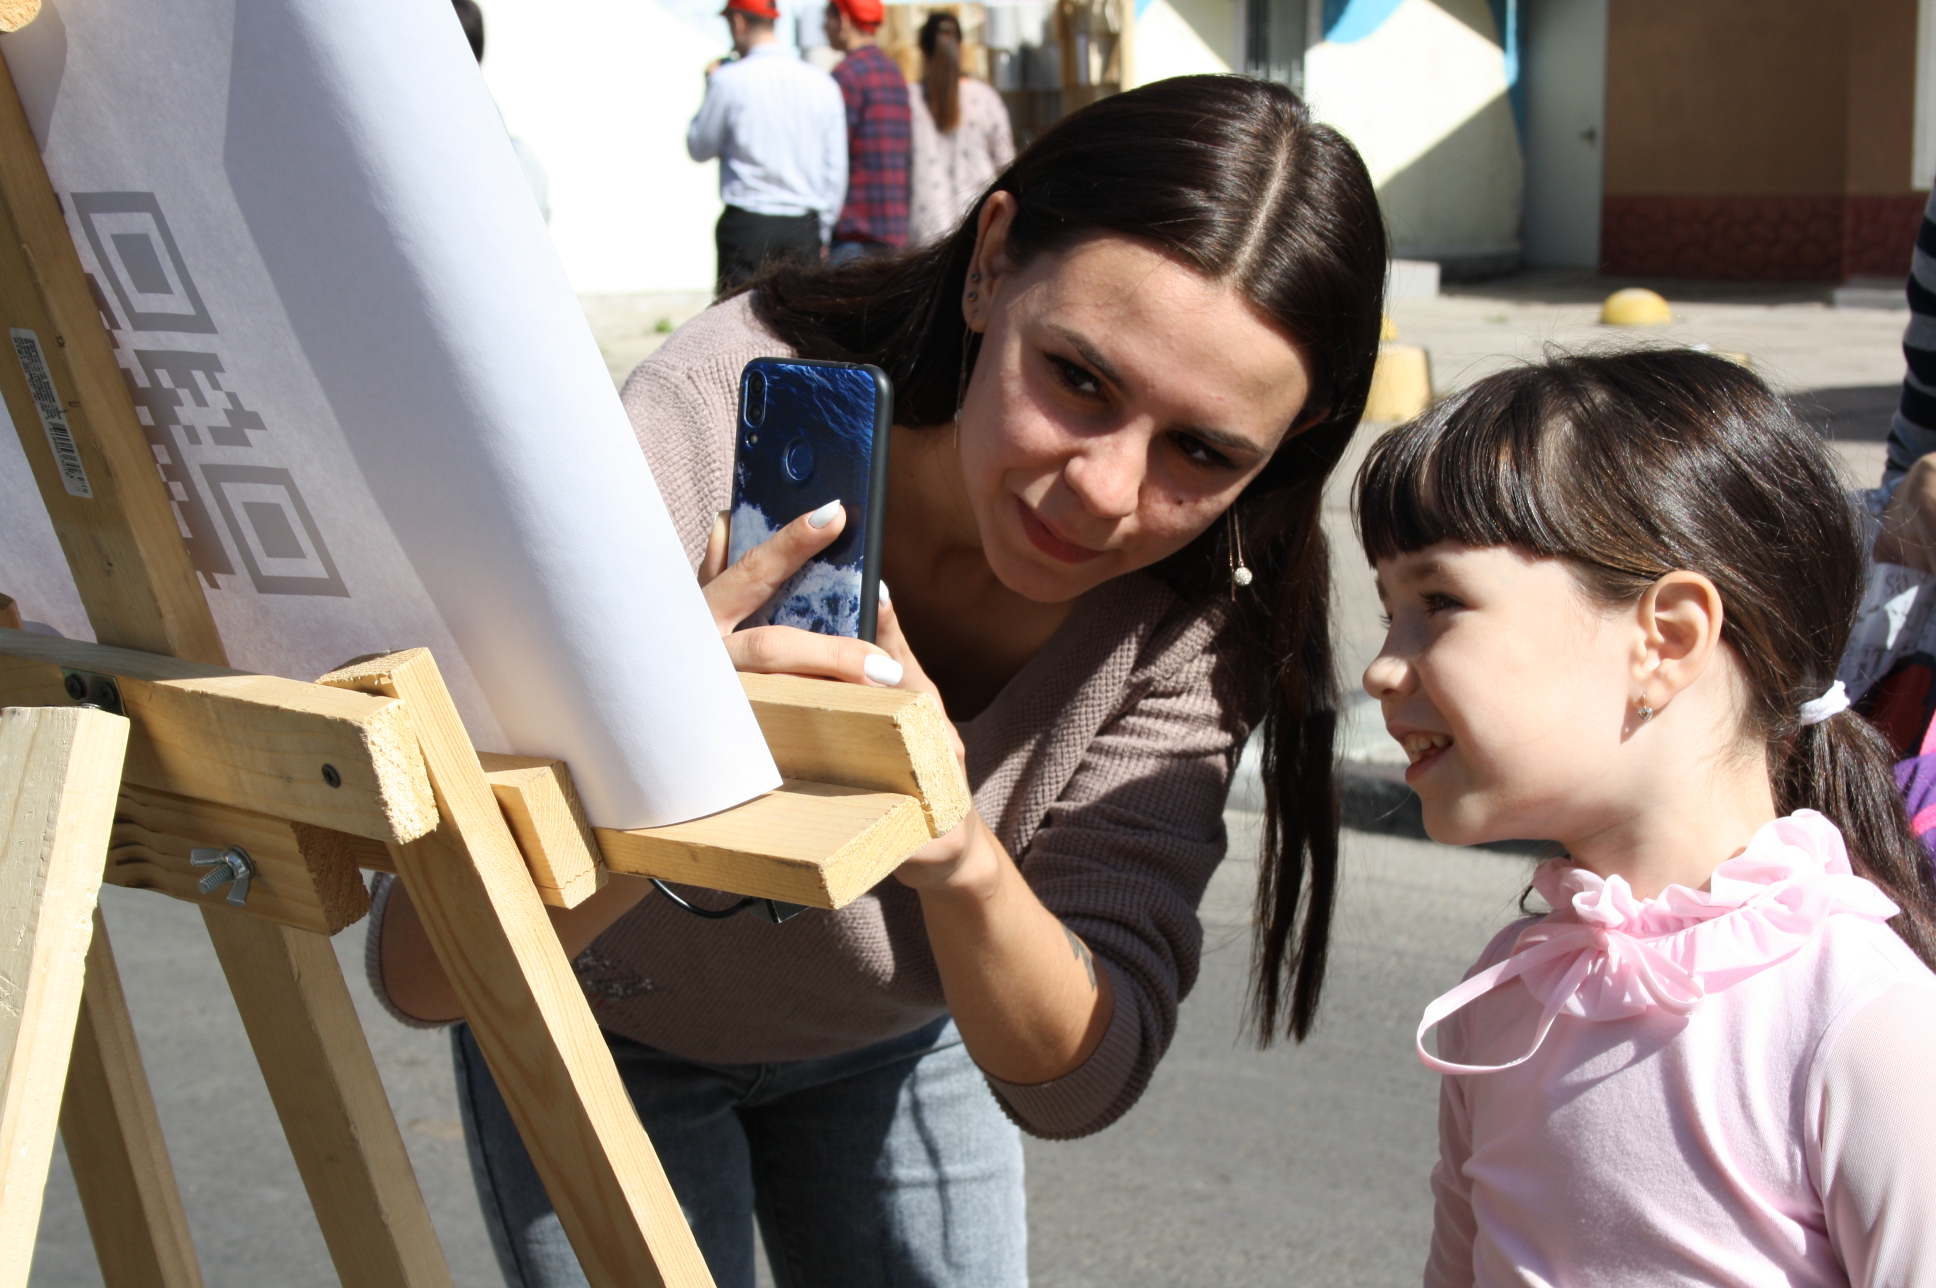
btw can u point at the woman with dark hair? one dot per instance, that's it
(1119, 388)
(960, 135)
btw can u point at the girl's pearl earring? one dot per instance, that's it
(1645, 712)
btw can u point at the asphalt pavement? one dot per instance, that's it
(1301, 1164)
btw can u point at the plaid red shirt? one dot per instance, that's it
(877, 148)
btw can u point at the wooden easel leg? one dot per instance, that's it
(114, 1145)
(471, 887)
(59, 771)
(297, 1009)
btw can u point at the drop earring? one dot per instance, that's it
(1642, 710)
(1240, 574)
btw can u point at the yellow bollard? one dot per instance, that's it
(1635, 306)
(1401, 383)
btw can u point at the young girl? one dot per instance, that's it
(1618, 591)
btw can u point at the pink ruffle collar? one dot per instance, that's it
(1604, 955)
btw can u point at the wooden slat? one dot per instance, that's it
(495, 942)
(298, 883)
(541, 806)
(808, 843)
(324, 1082)
(252, 742)
(58, 772)
(887, 740)
(123, 543)
(15, 14)
(114, 1143)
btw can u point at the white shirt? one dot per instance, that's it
(779, 129)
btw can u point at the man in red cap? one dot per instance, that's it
(779, 129)
(875, 217)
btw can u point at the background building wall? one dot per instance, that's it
(1422, 88)
(601, 91)
(1564, 71)
(1760, 138)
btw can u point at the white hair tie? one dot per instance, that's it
(1832, 703)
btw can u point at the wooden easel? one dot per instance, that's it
(369, 768)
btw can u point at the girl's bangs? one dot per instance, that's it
(1462, 472)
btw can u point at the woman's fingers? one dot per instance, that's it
(787, 650)
(887, 632)
(714, 562)
(742, 588)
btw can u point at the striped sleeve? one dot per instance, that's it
(1913, 434)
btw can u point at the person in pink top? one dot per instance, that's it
(1618, 589)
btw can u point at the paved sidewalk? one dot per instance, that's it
(1300, 1165)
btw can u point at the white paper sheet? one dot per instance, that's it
(369, 386)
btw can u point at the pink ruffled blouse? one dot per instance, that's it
(1726, 1087)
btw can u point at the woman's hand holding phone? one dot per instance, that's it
(736, 592)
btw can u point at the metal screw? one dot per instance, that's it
(230, 865)
(331, 777)
(91, 690)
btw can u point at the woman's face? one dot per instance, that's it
(1120, 403)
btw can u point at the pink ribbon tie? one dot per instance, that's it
(1631, 965)
(1605, 955)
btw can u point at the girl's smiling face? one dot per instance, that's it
(1510, 690)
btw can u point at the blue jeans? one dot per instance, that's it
(891, 1166)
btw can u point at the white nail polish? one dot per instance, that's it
(885, 597)
(824, 515)
(882, 669)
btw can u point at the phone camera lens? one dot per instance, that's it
(755, 397)
(797, 460)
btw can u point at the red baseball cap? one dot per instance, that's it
(758, 8)
(867, 14)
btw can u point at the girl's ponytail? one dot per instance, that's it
(1843, 768)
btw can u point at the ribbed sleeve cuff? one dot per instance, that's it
(381, 884)
(1082, 1100)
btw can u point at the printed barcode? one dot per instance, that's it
(53, 418)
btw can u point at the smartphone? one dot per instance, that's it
(811, 432)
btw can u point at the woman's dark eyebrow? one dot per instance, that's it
(1087, 352)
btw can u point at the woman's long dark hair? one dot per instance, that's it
(941, 73)
(1633, 466)
(1231, 177)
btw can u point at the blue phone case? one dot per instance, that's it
(811, 432)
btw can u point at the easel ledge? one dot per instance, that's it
(318, 780)
(110, 743)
